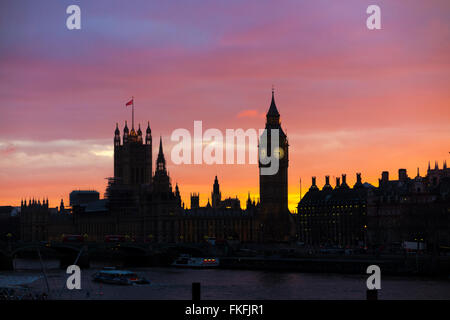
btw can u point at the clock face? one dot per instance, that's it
(279, 153)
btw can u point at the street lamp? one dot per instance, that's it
(365, 236)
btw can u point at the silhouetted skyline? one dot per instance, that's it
(351, 100)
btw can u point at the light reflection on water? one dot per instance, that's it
(172, 283)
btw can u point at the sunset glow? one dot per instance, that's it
(351, 100)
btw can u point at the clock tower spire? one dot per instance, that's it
(273, 189)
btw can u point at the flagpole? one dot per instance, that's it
(132, 113)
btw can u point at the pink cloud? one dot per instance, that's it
(250, 114)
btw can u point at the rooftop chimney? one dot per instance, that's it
(327, 185)
(313, 184)
(358, 183)
(344, 181)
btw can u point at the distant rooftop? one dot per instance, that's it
(80, 197)
(84, 192)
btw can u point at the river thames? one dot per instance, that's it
(220, 284)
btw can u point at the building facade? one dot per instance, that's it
(141, 204)
(411, 209)
(334, 216)
(382, 218)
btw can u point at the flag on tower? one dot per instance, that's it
(129, 103)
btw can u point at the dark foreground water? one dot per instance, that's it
(172, 283)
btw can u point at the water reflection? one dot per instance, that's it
(171, 283)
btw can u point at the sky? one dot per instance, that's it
(351, 99)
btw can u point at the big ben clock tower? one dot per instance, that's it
(273, 189)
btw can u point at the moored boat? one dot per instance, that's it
(186, 261)
(122, 277)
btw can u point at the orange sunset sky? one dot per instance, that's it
(351, 99)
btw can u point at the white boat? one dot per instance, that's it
(186, 261)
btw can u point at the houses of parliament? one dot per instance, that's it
(142, 204)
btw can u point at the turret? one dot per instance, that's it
(161, 179)
(139, 134)
(249, 201)
(148, 134)
(117, 136)
(160, 161)
(178, 195)
(195, 200)
(61, 206)
(125, 133)
(216, 195)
